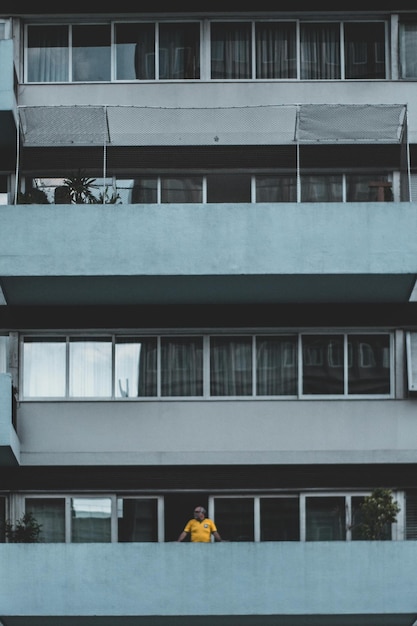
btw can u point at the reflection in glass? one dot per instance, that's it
(137, 519)
(90, 520)
(50, 514)
(135, 367)
(325, 518)
(280, 519)
(323, 364)
(91, 52)
(90, 372)
(44, 367)
(235, 518)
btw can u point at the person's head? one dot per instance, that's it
(200, 512)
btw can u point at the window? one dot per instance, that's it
(132, 367)
(4, 354)
(47, 54)
(285, 516)
(135, 367)
(97, 519)
(289, 517)
(320, 51)
(364, 50)
(214, 187)
(346, 364)
(276, 50)
(252, 49)
(231, 50)
(408, 49)
(91, 53)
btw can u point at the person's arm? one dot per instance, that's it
(182, 536)
(216, 536)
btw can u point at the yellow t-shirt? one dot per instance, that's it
(200, 530)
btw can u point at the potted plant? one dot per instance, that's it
(376, 514)
(25, 530)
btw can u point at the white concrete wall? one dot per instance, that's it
(219, 239)
(252, 432)
(284, 578)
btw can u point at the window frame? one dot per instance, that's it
(204, 47)
(254, 338)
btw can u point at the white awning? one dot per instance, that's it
(254, 125)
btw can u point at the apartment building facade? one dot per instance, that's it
(208, 260)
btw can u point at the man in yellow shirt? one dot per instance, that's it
(200, 528)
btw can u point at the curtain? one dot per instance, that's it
(231, 366)
(408, 50)
(47, 54)
(50, 513)
(44, 368)
(276, 188)
(90, 373)
(181, 366)
(181, 189)
(322, 188)
(135, 367)
(320, 51)
(276, 366)
(179, 51)
(275, 50)
(231, 54)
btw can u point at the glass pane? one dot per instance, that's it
(228, 188)
(323, 366)
(365, 188)
(2, 519)
(231, 366)
(91, 520)
(408, 50)
(135, 367)
(320, 51)
(137, 519)
(280, 519)
(369, 364)
(276, 366)
(44, 368)
(90, 368)
(411, 514)
(50, 513)
(275, 50)
(234, 518)
(179, 51)
(182, 189)
(325, 519)
(231, 50)
(321, 188)
(145, 191)
(135, 51)
(4, 354)
(181, 366)
(276, 188)
(364, 50)
(91, 53)
(47, 54)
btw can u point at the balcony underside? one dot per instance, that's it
(218, 620)
(183, 290)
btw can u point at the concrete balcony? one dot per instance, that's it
(198, 253)
(290, 584)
